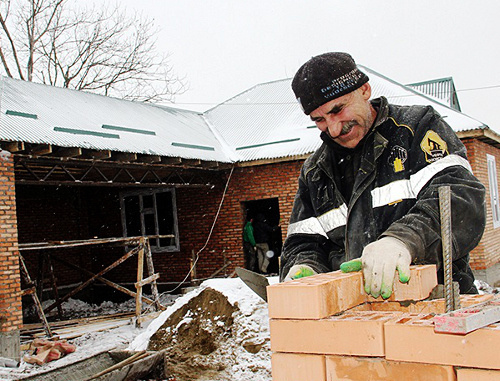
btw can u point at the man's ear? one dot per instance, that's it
(366, 91)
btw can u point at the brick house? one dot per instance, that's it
(79, 166)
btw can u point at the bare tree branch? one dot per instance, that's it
(97, 50)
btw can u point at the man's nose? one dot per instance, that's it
(334, 126)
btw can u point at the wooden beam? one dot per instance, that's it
(210, 164)
(191, 162)
(150, 159)
(68, 152)
(171, 160)
(96, 154)
(105, 281)
(124, 156)
(93, 278)
(41, 149)
(13, 147)
(147, 280)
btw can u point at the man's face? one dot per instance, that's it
(348, 118)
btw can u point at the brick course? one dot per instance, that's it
(10, 298)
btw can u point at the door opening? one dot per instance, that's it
(268, 210)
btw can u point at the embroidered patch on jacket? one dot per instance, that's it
(397, 158)
(433, 146)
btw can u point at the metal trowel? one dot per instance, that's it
(256, 282)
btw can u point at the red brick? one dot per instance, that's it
(359, 334)
(342, 368)
(298, 367)
(412, 338)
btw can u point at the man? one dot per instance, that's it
(249, 245)
(263, 233)
(370, 192)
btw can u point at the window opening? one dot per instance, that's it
(493, 182)
(149, 213)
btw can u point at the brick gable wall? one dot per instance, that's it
(487, 253)
(10, 298)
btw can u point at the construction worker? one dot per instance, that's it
(368, 197)
(262, 232)
(249, 245)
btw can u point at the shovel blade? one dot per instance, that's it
(256, 282)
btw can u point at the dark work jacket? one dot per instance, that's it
(406, 156)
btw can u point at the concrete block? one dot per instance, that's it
(298, 367)
(342, 368)
(357, 333)
(412, 338)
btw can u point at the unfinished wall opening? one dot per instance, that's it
(269, 209)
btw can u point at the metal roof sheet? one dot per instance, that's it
(35, 113)
(264, 122)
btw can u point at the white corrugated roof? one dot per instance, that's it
(264, 122)
(35, 113)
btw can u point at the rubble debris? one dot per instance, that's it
(48, 350)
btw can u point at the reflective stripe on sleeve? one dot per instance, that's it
(334, 218)
(406, 189)
(322, 224)
(308, 226)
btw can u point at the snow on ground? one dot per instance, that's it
(250, 323)
(250, 320)
(244, 355)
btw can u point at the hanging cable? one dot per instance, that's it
(209, 234)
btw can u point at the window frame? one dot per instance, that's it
(494, 196)
(155, 248)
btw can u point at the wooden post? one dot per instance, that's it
(151, 273)
(140, 273)
(32, 292)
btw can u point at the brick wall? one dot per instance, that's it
(197, 211)
(10, 298)
(487, 253)
(79, 213)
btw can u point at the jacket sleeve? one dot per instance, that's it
(306, 242)
(438, 158)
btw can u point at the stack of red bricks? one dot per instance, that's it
(325, 328)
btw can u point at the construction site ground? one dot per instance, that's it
(217, 331)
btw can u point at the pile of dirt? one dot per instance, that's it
(193, 332)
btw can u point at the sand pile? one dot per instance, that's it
(219, 331)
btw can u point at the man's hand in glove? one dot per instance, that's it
(379, 261)
(299, 271)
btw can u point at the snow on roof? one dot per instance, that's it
(36, 113)
(266, 121)
(263, 122)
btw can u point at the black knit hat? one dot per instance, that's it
(326, 77)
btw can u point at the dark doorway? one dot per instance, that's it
(269, 208)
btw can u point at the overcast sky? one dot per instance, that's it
(224, 47)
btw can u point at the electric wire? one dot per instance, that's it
(209, 234)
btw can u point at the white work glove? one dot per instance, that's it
(299, 271)
(379, 261)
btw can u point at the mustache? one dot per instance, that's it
(346, 128)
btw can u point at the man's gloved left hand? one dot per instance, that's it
(299, 271)
(379, 261)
